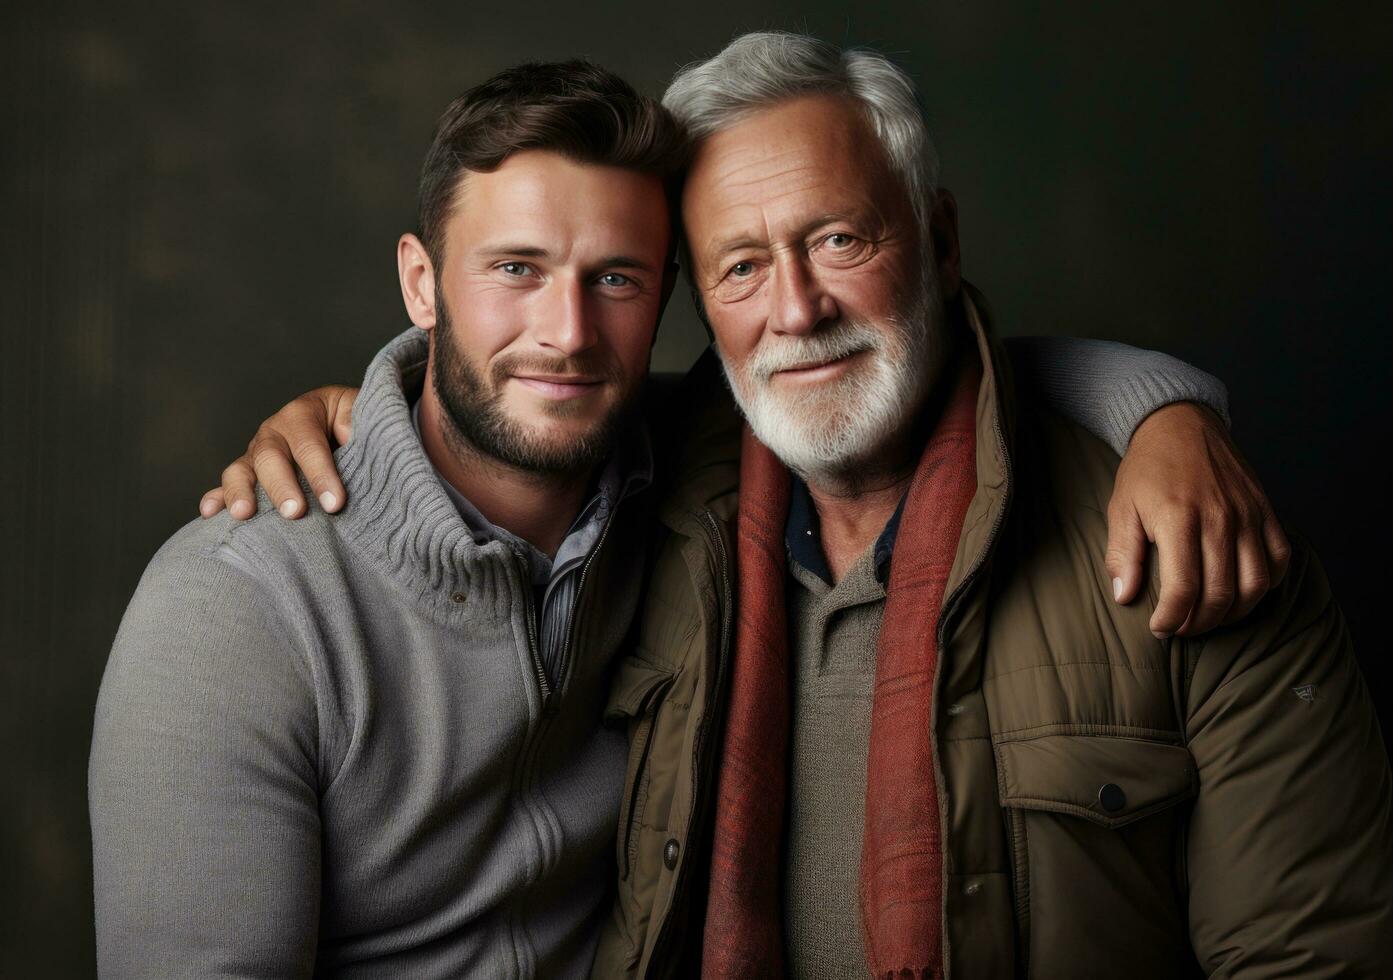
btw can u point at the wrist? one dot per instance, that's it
(1176, 417)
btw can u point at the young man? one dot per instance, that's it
(369, 744)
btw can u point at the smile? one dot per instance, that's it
(559, 387)
(819, 370)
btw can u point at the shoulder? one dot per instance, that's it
(1054, 544)
(1059, 467)
(1296, 637)
(220, 563)
(210, 569)
(208, 625)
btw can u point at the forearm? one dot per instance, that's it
(1107, 387)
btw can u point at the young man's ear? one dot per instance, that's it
(417, 276)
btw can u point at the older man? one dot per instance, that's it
(942, 754)
(882, 717)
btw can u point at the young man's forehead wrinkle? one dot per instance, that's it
(513, 248)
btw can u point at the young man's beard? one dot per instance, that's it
(475, 410)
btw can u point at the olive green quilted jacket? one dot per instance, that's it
(1113, 805)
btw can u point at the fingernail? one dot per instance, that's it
(328, 501)
(1117, 590)
(288, 509)
(241, 509)
(1160, 635)
(205, 507)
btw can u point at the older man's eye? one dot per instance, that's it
(842, 250)
(740, 281)
(840, 241)
(615, 280)
(515, 268)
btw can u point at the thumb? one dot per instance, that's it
(1126, 554)
(341, 415)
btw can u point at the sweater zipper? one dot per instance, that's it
(528, 773)
(522, 781)
(946, 614)
(534, 648)
(701, 750)
(564, 660)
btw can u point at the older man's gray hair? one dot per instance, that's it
(763, 68)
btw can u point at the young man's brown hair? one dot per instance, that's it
(574, 108)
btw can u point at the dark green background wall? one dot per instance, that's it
(200, 203)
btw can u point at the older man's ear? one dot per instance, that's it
(943, 230)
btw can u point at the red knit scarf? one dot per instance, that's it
(901, 858)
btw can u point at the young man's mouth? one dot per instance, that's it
(560, 386)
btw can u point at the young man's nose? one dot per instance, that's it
(564, 319)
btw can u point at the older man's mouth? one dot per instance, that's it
(810, 372)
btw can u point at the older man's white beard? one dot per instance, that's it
(827, 430)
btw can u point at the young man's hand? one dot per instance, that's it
(297, 435)
(1183, 486)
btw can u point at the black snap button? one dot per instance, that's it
(670, 850)
(1111, 797)
(457, 597)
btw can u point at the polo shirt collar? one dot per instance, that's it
(803, 539)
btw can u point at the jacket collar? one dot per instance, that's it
(995, 421)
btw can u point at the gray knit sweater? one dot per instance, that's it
(322, 745)
(326, 746)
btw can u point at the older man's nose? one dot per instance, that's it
(563, 319)
(800, 302)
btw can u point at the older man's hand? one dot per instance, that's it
(1183, 486)
(297, 435)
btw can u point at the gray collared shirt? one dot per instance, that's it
(557, 580)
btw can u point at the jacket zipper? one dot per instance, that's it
(946, 614)
(701, 750)
(950, 606)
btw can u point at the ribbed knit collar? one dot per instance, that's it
(398, 511)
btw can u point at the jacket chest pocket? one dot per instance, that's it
(635, 698)
(1097, 838)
